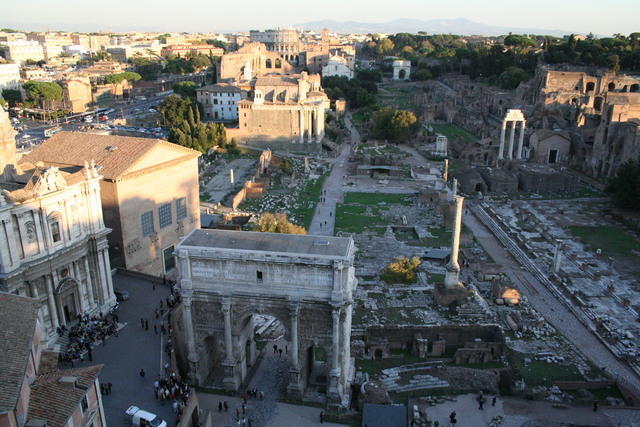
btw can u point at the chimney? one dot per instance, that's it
(453, 268)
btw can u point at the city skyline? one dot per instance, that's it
(144, 15)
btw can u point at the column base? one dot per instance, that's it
(230, 381)
(294, 388)
(334, 394)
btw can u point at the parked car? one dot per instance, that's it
(143, 418)
(121, 294)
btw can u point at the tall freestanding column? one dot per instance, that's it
(192, 355)
(301, 125)
(53, 311)
(453, 268)
(294, 388)
(521, 140)
(512, 137)
(334, 374)
(229, 363)
(502, 134)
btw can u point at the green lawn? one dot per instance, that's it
(610, 239)
(352, 215)
(311, 193)
(452, 131)
(375, 198)
(542, 373)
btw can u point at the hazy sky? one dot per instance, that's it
(597, 16)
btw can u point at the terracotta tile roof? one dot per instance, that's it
(54, 401)
(115, 154)
(18, 323)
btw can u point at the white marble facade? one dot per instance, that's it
(53, 244)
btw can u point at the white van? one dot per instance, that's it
(143, 418)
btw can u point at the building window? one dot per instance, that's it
(259, 276)
(169, 259)
(181, 208)
(147, 223)
(54, 226)
(164, 213)
(84, 404)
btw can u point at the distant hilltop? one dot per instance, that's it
(459, 26)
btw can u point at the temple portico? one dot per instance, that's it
(514, 117)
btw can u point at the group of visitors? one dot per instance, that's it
(172, 388)
(83, 335)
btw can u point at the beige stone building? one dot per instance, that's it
(53, 241)
(284, 107)
(30, 392)
(150, 193)
(19, 51)
(251, 60)
(76, 92)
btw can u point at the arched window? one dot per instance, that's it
(55, 228)
(634, 88)
(611, 87)
(268, 63)
(278, 63)
(591, 86)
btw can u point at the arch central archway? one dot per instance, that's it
(306, 282)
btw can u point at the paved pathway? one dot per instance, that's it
(133, 349)
(549, 306)
(515, 413)
(324, 217)
(271, 378)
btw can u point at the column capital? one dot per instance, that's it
(226, 307)
(294, 309)
(336, 312)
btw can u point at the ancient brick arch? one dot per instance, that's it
(306, 282)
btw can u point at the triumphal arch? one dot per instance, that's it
(306, 282)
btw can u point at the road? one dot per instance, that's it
(325, 214)
(133, 349)
(550, 307)
(35, 129)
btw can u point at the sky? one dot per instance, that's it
(603, 17)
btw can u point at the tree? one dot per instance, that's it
(402, 270)
(624, 187)
(43, 91)
(613, 61)
(12, 96)
(102, 55)
(186, 89)
(277, 223)
(118, 78)
(422, 74)
(186, 129)
(394, 125)
(518, 41)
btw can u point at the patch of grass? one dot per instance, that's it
(311, 193)
(441, 237)
(453, 131)
(375, 198)
(610, 239)
(541, 373)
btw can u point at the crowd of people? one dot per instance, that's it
(172, 388)
(84, 334)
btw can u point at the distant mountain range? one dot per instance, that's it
(459, 26)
